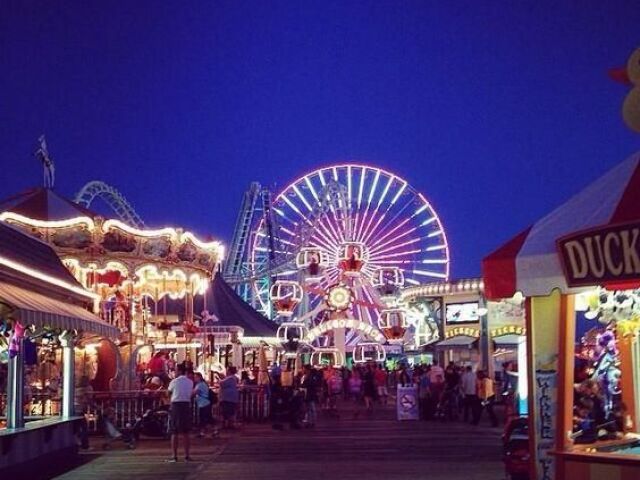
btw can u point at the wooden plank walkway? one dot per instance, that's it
(345, 448)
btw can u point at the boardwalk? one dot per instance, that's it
(378, 448)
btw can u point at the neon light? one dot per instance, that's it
(47, 223)
(434, 234)
(435, 248)
(349, 196)
(386, 189)
(428, 221)
(404, 185)
(304, 200)
(432, 261)
(168, 231)
(362, 177)
(421, 209)
(292, 205)
(377, 248)
(392, 255)
(313, 190)
(214, 245)
(322, 180)
(429, 274)
(165, 346)
(47, 278)
(373, 188)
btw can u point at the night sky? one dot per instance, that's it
(496, 111)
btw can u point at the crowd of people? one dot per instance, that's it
(296, 399)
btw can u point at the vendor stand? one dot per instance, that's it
(581, 263)
(40, 300)
(450, 320)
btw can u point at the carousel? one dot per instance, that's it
(134, 273)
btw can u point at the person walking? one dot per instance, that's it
(181, 390)
(229, 398)
(369, 388)
(468, 382)
(310, 384)
(486, 396)
(380, 377)
(203, 402)
(424, 395)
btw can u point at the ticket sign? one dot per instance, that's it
(508, 330)
(601, 255)
(468, 331)
(407, 403)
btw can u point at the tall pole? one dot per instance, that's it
(15, 413)
(67, 340)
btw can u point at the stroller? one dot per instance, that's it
(287, 406)
(111, 433)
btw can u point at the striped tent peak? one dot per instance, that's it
(593, 206)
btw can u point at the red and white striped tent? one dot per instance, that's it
(529, 262)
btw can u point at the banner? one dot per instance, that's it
(546, 411)
(407, 403)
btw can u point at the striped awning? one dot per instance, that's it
(507, 341)
(39, 310)
(529, 263)
(457, 342)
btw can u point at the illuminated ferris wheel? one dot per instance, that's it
(345, 238)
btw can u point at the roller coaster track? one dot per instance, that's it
(112, 197)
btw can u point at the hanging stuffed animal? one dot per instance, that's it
(606, 369)
(16, 339)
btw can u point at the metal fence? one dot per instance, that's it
(125, 406)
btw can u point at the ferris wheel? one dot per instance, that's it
(346, 237)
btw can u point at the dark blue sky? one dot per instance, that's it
(496, 111)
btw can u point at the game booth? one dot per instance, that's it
(578, 269)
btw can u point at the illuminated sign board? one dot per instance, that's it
(601, 255)
(462, 312)
(508, 330)
(457, 331)
(364, 328)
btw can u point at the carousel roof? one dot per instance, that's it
(44, 204)
(222, 301)
(32, 253)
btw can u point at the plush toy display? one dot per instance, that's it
(16, 338)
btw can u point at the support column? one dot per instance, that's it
(15, 389)
(486, 350)
(67, 340)
(544, 317)
(340, 342)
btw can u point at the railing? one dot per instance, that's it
(127, 405)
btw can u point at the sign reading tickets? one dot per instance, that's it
(601, 255)
(508, 330)
(468, 331)
(407, 403)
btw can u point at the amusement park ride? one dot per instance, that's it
(326, 257)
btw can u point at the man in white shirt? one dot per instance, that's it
(181, 390)
(468, 382)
